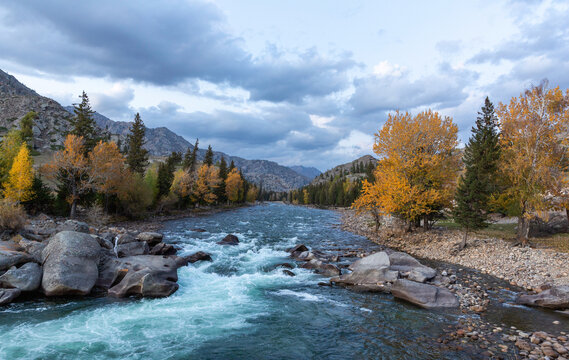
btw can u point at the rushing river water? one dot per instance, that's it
(236, 307)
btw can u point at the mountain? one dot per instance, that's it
(16, 100)
(347, 170)
(309, 172)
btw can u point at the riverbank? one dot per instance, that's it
(525, 267)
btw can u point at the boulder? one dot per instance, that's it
(555, 298)
(410, 267)
(145, 283)
(377, 260)
(124, 239)
(132, 249)
(298, 248)
(303, 256)
(70, 264)
(163, 249)
(9, 258)
(198, 256)
(146, 275)
(152, 238)
(26, 278)
(284, 265)
(288, 272)
(229, 240)
(553, 224)
(8, 295)
(321, 268)
(370, 277)
(74, 225)
(106, 242)
(422, 274)
(423, 295)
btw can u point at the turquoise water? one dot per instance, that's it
(236, 307)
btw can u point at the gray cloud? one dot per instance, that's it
(163, 44)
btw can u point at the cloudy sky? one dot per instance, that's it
(297, 82)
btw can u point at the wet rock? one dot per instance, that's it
(298, 248)
(369, 277)
(70, 264)
(198, 230)
(284, 265)
(424, 295)
(152, 238)
(288, 272)
(163, 249)
(146, 276)
(132, 249)
(328, 270)
(26, 278)
(554, 298)
(374, 261)
(74, 225)
(198, 256)
(8, 295)
(229, 240)
(303, 256)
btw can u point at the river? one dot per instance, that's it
(236, 307)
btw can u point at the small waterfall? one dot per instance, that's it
(116, 241)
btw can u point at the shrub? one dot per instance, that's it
(135, 195)
(12, 215)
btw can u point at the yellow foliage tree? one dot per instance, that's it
(534, 143)
(252, 194)
(21, 177)
(418, 167)
(182, 183)
(233, 185)
(9, 148)
(207, 182)
(71, 168)
(107, 169)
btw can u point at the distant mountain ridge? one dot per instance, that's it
(309, 172)
(16, 100)
(346, 170)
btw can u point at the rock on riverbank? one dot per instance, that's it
(71, 258)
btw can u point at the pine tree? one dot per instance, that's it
(231, 166)
(479, 182)
(189, 163)
(208, 158)
(137, 156)
(27, 125)
(83, 124)
(223, 176)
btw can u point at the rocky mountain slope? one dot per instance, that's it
(309, 172)
(346, 170)
(16, 100)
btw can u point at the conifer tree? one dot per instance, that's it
(223, 177)
(208, 159)
(479, 182)
(231, 166)
(137, 156)
(26, 126)
(83, 124)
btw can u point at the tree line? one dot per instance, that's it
(92, 170)
(516, 162)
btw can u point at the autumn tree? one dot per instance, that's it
(415, 178)
(208, 158)
(137, 155)
(480, 179)
(233, 186)
(252, 194)
(107, 169)
(83, 124)
(20, 181)
(71, 167)
(534, 143)
(206, 183)
(182, 185)
(9, 149)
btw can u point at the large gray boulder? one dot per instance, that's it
(423, 295)
(26, 278)
(70, 264)
(9, 258)
(370, 277)
(377, 260)
(554, 298)
(74, 225)
(8, 295)
(34, 248)
(143, 275)
(410, 267)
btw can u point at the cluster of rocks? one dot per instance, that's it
(386, 271)
(72, 259)
(521, 266)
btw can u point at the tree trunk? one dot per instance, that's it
(567, 214)
(464, 238)
(73, 208)
(523, 230)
